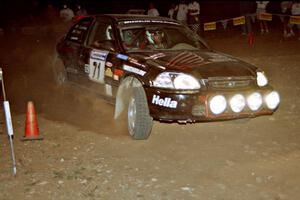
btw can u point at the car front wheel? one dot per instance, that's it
(139, 120)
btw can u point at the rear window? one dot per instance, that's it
(79, 31)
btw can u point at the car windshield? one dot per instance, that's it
(160, 37)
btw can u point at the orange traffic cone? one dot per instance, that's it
(31, 126)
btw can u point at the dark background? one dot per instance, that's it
(210, 10)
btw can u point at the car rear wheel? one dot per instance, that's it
(139, 121)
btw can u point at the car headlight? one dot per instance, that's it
(272, 100)
(261, 79)
(237, 103)
(254, 101)
(175, 80)
(217, 104)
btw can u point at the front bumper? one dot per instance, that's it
(191, 106)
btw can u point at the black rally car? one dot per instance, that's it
(155, 68)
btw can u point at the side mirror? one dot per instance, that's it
(106, 45)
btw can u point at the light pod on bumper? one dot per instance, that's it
(237, 103)
(217, 104)
(254, 101)
(272, 100)
(261, 79)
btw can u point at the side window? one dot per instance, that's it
(102, 32)
(79, 31)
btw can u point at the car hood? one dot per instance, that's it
(202, 64)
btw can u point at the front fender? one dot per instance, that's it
(123, 94)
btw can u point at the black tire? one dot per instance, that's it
(139, 121)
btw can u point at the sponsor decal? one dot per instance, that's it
(134, 61)
(219, 58)
(164, 102)
(210, 26)
(265, 16)
(294, 20)
(97, 65)
(149, 21)
(87, 68)
(239, 20)
(134, 70)
(116, 77)
(118, 72)
(155, 56)
(76, 31)
(98, 55)
(108, 90)
(108, 64)
(108, 72)
(74, 38)
(122, 56)
(81, 27)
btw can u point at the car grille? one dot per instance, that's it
(230, 82)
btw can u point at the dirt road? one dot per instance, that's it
(85, 155)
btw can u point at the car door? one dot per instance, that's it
(99, 55)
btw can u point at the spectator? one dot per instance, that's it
(171, 11)
(80, 11)
(285, 11)
(246, 9)
(193, 15)
(260, 9)
(295, 12)
(152, 10)
(66, 14)
(182, 11)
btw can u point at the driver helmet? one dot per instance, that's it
(154, 36)
(128, 36)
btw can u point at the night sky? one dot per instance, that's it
(210, 10)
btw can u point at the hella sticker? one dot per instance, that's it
(165, 102)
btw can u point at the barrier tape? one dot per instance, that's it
(208, 26)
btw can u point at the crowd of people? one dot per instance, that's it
(189, 13)
(185, 13)
(66, 14)
(287, 8)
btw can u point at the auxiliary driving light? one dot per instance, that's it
(237, 103)
(217, 104)
(254, 101)
(272, 100)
